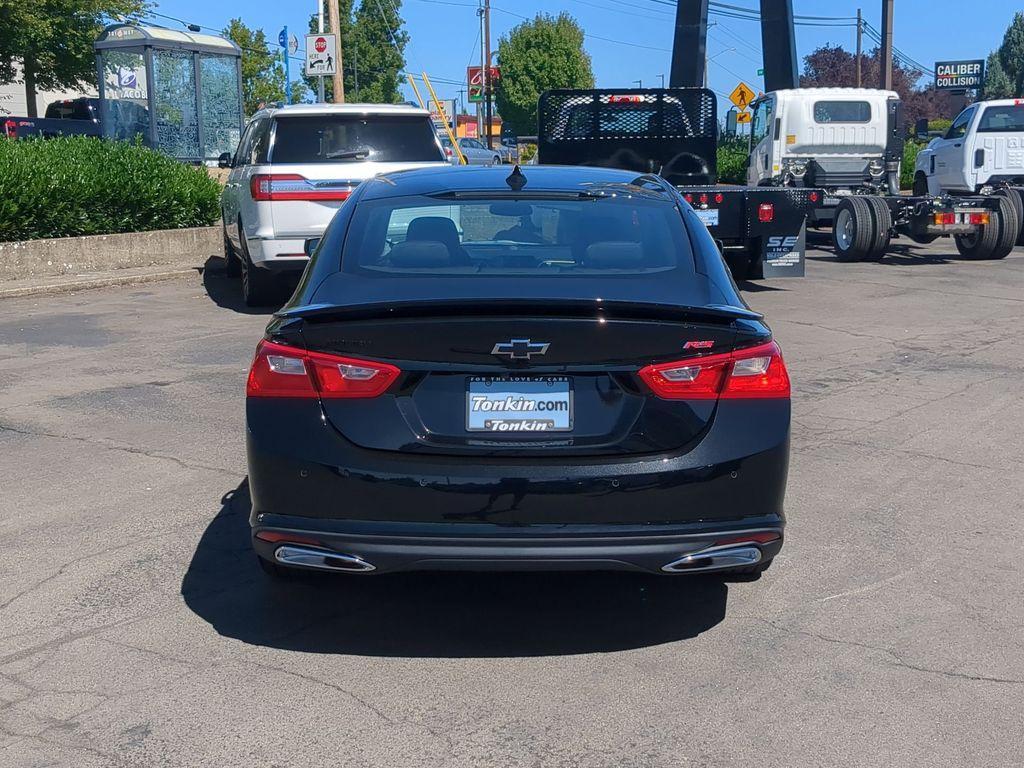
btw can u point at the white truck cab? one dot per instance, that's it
(839, 139)
(983, 148)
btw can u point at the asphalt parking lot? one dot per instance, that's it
(137, 630)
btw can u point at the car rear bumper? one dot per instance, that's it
(402, 511)
(360, 547)
(278, 254)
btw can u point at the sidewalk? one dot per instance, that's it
(50, 284)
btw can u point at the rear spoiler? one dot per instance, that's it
(544, 307)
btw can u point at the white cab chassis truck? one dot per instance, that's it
(849, 142)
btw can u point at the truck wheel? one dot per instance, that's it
(1009, 226)
(259, 288)
(920, 185)
(1014, 196)
(989, 240)
(853, 230)
(883, 224)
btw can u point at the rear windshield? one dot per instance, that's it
(531, 236)
(1002, 119)
(842, 112)
(354, 138)
(69, 110)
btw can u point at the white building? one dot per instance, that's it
(12, 97)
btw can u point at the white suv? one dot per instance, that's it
(294, 168)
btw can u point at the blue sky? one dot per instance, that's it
(630, 40)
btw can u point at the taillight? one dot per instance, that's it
(719, 197)
(279, 370)
(448, 151)
(292, 186)
(10, 129)
(945, 218)
(766, 213)
(813, 197)
(756, 372)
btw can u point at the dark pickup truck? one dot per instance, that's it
(78, 117)
(673, 132)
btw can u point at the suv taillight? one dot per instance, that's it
(279, 370)
(755, 372)
(292, 186)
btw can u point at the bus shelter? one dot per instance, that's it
(181, 91)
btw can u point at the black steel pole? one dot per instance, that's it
(689, 47)
(886, 78)
(778, 41)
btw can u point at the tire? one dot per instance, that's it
(232, 265)
(1014, 196)
(883, 224)
(259, 288)
(853, 230)
(274, 570)
(920, 185)
(749, 572)
(989, 240)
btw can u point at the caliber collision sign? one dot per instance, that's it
(957, 75)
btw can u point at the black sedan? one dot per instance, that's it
(538, 370)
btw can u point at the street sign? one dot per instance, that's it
(742, 96)
(958, 75)
(743, 117)
(321, 55)
(449, 111)
(282, 38)
(293, 44)
(475, 81)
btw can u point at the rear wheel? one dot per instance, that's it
(853, 231)
(883, 225)
(994, 240)
(259, 288)
(1014, 196)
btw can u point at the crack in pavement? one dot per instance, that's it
(118, 447)
(898, 661)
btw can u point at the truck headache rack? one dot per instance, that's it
(669, 131)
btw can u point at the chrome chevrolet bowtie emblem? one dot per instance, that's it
(520, 349)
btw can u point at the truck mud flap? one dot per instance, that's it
(784, 255)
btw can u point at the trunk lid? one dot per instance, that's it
(453, 353)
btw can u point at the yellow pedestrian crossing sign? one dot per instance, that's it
(742, 96)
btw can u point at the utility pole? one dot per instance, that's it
(483, 77)
(320, 28)
(486, 74)
(860, 34)
(886, 78)
(339, 78)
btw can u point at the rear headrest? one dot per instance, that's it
(436, 228)
(613, 255)
(420, 254)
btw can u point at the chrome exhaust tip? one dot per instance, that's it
(305, 557)
(715, 559)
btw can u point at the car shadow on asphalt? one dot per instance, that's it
(437, 615)
(227, 291)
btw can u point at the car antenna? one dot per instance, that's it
(516, 180)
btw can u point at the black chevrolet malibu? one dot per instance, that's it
(538, 370)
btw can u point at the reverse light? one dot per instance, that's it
(279, 370)
(755, 372)
(766, 213)
(291, 186)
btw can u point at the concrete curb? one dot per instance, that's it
(70, 284)
(74, 256)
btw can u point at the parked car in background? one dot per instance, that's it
(83, 116)
(473, 150)
(484, 411)
(294, 167)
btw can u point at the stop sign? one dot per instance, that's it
(320, 45)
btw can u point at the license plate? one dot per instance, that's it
(709, 216)
(519, 404)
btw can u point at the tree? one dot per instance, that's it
(1011, 53)
(52, 40)
(535, 56)
(262, 70)
(997, 83)
(376, 53)
(834, 66)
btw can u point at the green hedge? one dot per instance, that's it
(732, 160)
(910, 150)
(85, 186)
